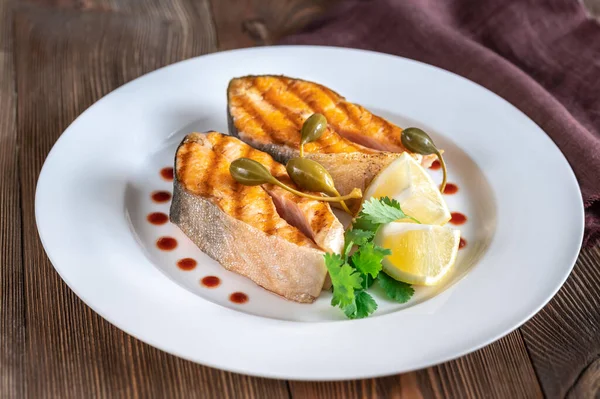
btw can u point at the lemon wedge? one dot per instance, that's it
(421, 254)
(408, 183)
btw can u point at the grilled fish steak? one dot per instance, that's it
(268, 112)
(265, 233)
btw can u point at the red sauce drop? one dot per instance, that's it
(166, 243)
(458, 218)
(214, 281)
(167, 173)
(462, 243)
(238, 297)
(187, 264)
(158, 218)
(450, 188)
(161, 196)
(435, 165)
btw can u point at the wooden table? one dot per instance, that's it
(57, 57)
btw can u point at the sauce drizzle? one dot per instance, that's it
(458, 218)
(462, 243)
(451, 188)
(161, 196)
(187, 264)
(238, 297)
(435, 165)
(212, 282)
(157, 218)
(166, 243)
(167, 173)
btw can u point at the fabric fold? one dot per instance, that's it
(543, 57)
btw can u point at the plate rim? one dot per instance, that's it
(440, 359)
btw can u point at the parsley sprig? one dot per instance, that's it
(360, 264)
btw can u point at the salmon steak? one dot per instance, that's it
(273, 237)
(268, 112)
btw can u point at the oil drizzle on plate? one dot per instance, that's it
(166, 243)
(238, 297)
(187, 264)
(457, 218)
(157, 218)
(450, 188)
(167, 173)
(462, 243)
(161, 196)
(212, 282)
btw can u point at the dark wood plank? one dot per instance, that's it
(6, 26)
(239, 23)
(12, 321)
(245, 23)
(65, 61)
(500, 370)
(185, 11)
(563, 339)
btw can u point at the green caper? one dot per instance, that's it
(249, 172)
(417, 141)
(310, 175)
(312, 129)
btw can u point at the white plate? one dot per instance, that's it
(524, 228)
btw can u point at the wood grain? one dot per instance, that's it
(563, 339)
(6, 26)
(500, 370)
(12, 321)
(245, 23)
(70, 350)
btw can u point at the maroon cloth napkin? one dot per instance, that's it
(542, 56)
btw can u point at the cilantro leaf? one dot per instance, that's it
(395, 290)
(367, 259)
(358, 236)
(344, 280)
(362, 222)
(367, 281)
(381, 211)
(363, 306)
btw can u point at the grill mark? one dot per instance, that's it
(216, 157)
(388, 131)
(318, 218)
(185, 157)
(237, 193)
(344, 108)
(269, 221)
(251, 108)
(342, 105)
(291, 117)
(326, 140)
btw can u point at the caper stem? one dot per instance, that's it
(443, 186)
(301, 150)
(342, 203)
(356, 193)
(345, 208)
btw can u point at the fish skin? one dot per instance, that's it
(240, 227)
(268, 111)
